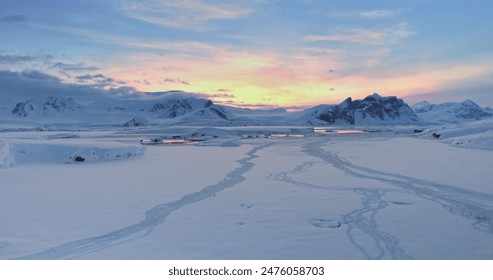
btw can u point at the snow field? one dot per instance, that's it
(358, 196)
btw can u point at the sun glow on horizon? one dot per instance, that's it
(255, 85)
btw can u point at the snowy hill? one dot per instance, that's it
(451, 112)
(374, 109)
(476, 134)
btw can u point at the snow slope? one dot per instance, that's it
(62, 148)
(473, 134)
(7, 159)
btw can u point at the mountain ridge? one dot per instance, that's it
(373, 109)
(176, 108)
(451, 112)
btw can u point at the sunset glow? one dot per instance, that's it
(257, 54)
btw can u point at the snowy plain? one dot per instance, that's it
(388, 194)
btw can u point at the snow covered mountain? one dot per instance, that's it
(210, 111)
(47, 107)
(451, 111)
(175, 107)
(374, 109)
(179, 108)
(187, 109)
(107, 110)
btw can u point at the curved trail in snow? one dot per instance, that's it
(153, 217)
(469, 204)
(362, 219)
(472, 205)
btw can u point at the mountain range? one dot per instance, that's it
(176, 108)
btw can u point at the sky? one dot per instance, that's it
(258, 53)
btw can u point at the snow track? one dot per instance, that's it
(355, 210)
(364, 219)
(153, 217)
(476, 206)
(362, 223)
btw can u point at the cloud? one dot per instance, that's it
(90, 77)
(162, 47)
(374, 14)
(31, 83)
(366, 36)
(100, 81)
(369, 14)
(186, 14)
(66, 67)
(46, 60)
(16, 59)
(224, 90)
(157, 94)
(95, 81)
(260, 106)
(222, 95)
(13, 19)
(204, 95)
(176, 81)
(256, 106)
(36, 75)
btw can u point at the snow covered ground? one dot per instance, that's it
(246, 194)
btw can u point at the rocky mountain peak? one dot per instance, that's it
(372, 109)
